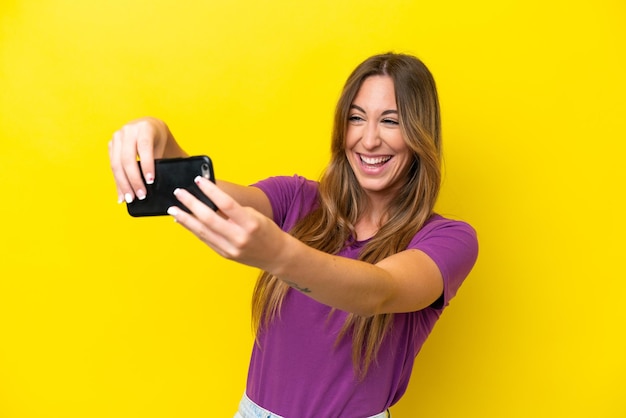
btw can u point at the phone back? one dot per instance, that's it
(170, 174)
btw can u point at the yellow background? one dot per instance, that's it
(102, 315)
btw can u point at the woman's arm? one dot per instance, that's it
(407, 281)
(404, 282)
(248, 196)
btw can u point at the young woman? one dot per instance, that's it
(356, 268)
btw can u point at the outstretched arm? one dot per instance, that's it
(407, 281)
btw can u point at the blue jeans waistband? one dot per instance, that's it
(248, 409)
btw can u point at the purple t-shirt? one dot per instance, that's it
(297, 371)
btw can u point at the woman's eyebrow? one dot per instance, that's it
(386, 112)
(359, 108)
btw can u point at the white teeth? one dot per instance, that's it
(375, 160)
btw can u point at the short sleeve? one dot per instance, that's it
(453, 246)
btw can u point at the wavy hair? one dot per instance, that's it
(342, 201)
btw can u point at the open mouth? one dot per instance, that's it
(374, 162)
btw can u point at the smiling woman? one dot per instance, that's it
(356, 269)
(375, 147)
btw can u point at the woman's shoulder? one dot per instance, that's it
(443, 237)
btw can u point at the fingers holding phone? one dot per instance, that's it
(145, 139)
(127, 176)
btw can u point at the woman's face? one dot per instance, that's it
(374, 145)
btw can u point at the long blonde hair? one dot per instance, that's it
(341, 200)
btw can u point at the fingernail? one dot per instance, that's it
(128, 197)
(176, 191)
(172, 211)
(141, 195)
(120, 199)
(197, 179)
(149, 178)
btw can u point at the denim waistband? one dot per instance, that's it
(248, 409)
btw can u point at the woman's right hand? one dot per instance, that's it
(146, 138)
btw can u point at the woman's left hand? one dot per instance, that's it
(235, 232)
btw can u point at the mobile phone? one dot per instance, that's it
(170, 174)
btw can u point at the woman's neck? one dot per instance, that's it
(369, 223)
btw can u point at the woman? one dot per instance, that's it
(356, 268)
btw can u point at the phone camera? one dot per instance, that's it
(205, 170)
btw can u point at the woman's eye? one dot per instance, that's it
(355, 118)
(390, 122)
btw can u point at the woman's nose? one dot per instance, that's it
(371, 137)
